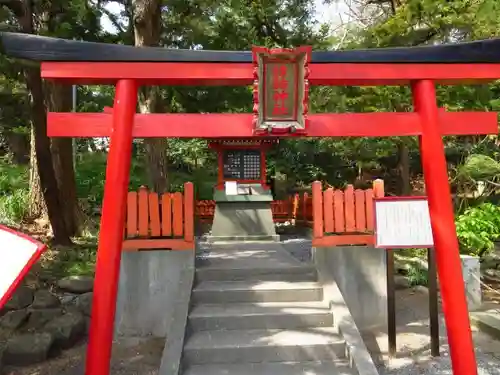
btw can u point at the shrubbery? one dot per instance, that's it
(13, 192)
(478, 228)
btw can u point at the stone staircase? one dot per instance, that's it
(260, 312)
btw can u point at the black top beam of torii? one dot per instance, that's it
(41, 48)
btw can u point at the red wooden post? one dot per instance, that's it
(305, 198)
(220, 170)
(328, 210)
(112, 226)
(295, 206)
(444, 231)
(317, 206)
(378, 188)
(189, 212)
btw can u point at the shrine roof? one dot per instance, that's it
(40, 48)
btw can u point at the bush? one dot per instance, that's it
(14, 206)
(12, 177)
(13, 192)
(91, 174)
(417, 275)
(478, 228)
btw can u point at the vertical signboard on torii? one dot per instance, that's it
(281, 89)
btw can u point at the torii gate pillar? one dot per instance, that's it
(112, 226)
(444, 231)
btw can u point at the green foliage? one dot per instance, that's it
(14, 206)
(417, 275)
(12, 177)
(91, 173)
(478, 228)
(478, 167)
(13, 192)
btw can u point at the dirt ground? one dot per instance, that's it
(413, 342)
(130, 357)
(491, 292)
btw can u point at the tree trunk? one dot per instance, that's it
(36, 206)
(62, 154)
(404, 168)
(18, 147)
(147, 26)
(42, 161)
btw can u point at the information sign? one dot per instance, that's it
(19, 253)
(402, 222)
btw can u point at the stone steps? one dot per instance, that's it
(338, 367)
(263, 345)
(270, 315)
(291, 273)
(256, 291)
(260, 312)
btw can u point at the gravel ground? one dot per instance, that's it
(413, 343)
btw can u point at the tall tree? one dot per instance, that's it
(40, 156)
(147, 29)
(62, 154)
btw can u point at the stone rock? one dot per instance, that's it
(27, 349)
(490, 261)
(84, 303)
(68, 298)
(14, 319)
(67, 329)
(401, 267)
(22, 298)
(471, 274)
(77, 284)
(40, 317)
(401, 282)
(45, 300)
(492, 274)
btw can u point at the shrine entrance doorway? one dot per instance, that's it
(280, 80)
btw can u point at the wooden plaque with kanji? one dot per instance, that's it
(281, 89)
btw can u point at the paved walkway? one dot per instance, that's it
(246, 256)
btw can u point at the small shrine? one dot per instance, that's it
(242, 197)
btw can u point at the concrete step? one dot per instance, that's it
(339, 367)
(255, 291)
(256, 346)
(270, 315)
(288, 273)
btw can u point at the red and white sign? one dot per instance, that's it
(17, 255)
(402, 222)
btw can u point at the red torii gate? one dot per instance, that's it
(128, 67)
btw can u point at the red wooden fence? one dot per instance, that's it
(160, 221)
(166, 221)
(297, 208)
(344, 217)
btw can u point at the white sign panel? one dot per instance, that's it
(402, 223)
(231, 187)
(17, 255)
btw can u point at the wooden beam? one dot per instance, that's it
(229, 125)
(241, 74)
(157, 244)
(343, 239)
